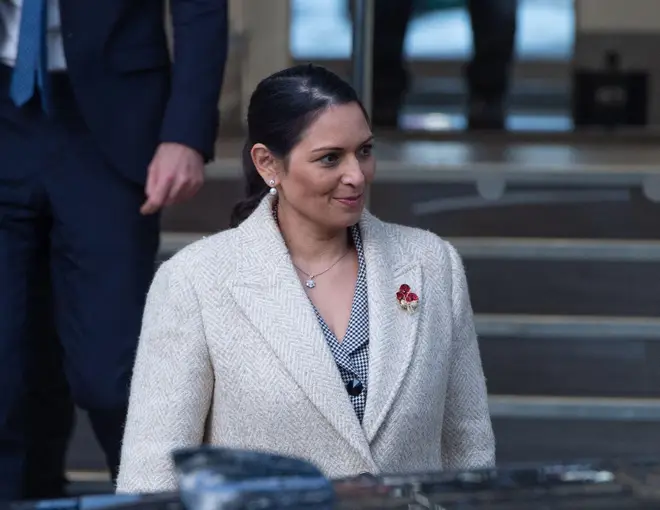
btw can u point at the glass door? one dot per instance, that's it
(438, 45)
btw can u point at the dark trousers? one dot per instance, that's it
(49, 409)
(487, 74)
(64, 210)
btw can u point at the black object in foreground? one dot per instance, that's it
(216, 479)
(221, 479)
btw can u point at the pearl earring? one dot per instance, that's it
(273, 190)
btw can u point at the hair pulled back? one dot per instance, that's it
(281, 108)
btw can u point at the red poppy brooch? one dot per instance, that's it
(407, 300)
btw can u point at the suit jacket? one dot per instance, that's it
(129, 94)
(231, 353)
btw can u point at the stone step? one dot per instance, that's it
(558, 326)
(518, 440)
(458, 210)
(557, 249)
(434, 93)
(551, 440)
(547, 276)
(504, 248)
(526, 429)
(532, 355)
(562, 276)
(564, 288)
(481, 188)
(540, 407)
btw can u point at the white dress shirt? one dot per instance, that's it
(10, 19)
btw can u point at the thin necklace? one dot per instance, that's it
(310, 283)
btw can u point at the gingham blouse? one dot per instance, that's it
(352, 353)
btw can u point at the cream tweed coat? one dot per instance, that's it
(231, 354)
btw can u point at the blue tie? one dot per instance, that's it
(31, 66)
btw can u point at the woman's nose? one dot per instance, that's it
(353, 173)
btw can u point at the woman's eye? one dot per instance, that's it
(365, 151)
(329, 159)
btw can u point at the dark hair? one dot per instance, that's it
(281, 108)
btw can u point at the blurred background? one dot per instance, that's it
(538, 158)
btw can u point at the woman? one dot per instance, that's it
(311, 329)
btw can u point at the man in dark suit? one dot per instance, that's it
(487, 73)
(98, 131)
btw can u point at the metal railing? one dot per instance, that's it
(362, 54)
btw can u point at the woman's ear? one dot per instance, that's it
(265, 162)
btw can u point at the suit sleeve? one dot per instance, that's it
(171, 388)
(467, 435)
(200, 31)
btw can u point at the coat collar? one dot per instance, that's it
(269, 292)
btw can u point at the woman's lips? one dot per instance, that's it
(350, 201)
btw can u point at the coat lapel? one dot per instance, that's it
(269, 292)
(392, 331)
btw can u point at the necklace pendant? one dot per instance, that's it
(310, 284)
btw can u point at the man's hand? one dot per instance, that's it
(175, 174)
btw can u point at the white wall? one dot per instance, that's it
(604, 16)
(258, 46)
(264, 30)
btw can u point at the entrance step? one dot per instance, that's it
(453, 209)
(546, 276)
(570, 356)
(527, 429)
(562, 276)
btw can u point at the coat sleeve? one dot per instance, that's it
(172, 384)
(201, 35)
(467, 435)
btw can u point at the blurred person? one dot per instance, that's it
(98, 131)
(310, 329)
(493, 25)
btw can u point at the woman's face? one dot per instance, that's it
(330, 168)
